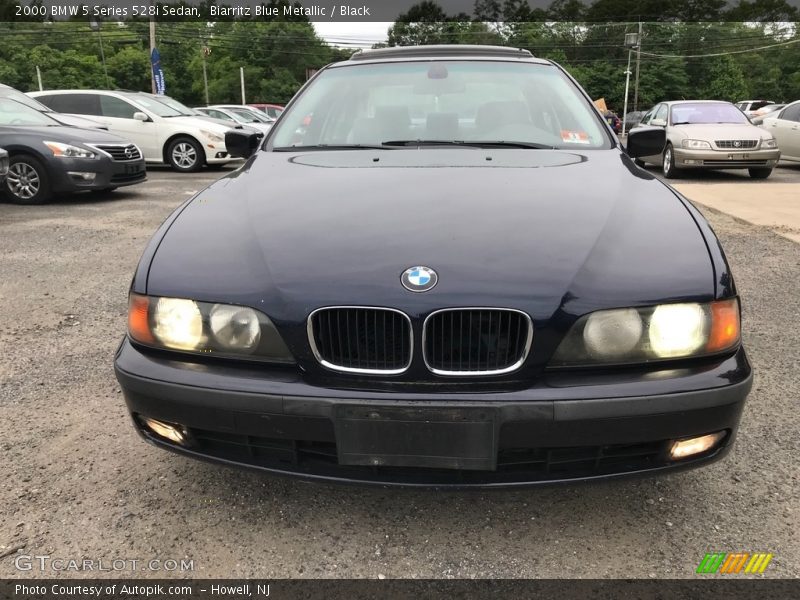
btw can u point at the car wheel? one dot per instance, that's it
(759, 173)
(27, 181)
(185, 155)
(668, 167)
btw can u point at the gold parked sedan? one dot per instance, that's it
(710, 134)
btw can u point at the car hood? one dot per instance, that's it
(207, 123)
(65, 134)
(721, 131)
(543, 231)
(73, 121)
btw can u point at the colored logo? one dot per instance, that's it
(734, 562)
(419, 279)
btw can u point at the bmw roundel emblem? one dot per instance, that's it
(419, 279)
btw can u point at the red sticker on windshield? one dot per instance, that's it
(574, 137)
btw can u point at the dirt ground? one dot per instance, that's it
(80, 484)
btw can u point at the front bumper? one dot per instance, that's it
(271, 420)
(726, 159)
(108, 173)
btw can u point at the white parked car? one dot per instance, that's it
(164, 134)
(260, 114)
(785, 126)
(237, 116)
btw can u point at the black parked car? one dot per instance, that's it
(47, 158)
(454, 275)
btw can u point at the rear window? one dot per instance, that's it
(479, 101)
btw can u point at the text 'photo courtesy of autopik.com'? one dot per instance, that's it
(399, 299)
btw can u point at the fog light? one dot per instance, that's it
(82, 175)
(696, 445)
(173, 433)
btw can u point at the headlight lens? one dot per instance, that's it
(214, 137)
(235, 327)
(639, 335)
(222, 330)
(767, 144)
(69, 151)
(696, 145)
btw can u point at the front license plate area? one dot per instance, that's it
(738, 156)
(416, 437)
(132, 169)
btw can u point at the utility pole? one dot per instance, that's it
(631, 42)
(205, 51)
(152, 47)
(39, 77)
(241, 77)
(638, 62)
(95, 24)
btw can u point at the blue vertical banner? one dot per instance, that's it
(158, 73)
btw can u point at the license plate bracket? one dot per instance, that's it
(443, 438)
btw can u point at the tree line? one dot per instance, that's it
(689, 49)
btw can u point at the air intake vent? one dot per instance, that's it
(476, 341)
(736, 144)
(120, 152)
(361, 339)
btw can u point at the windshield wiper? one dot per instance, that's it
(471, 144)
(332, 147)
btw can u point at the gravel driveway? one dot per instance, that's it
(81, 484)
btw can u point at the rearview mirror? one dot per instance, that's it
(645, 141)
(140, 116)
(658, 123)
(241, 143)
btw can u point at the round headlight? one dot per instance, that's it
(235, 327)
(612, 333)
(677, 329)
(177, 323)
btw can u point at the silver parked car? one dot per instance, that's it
(758, 116)
(785, 126)
(3, 164)
(710, 134)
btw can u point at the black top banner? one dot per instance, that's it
(405, 10)
(396, 589)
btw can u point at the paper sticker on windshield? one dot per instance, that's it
(574, 137)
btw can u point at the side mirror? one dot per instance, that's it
(242, 143)
(658, 122)
(140, 116)
(646, 141)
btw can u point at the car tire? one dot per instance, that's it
(668, 166)
(639, 163)
(185, 155)
(27, 181)
(758, 173)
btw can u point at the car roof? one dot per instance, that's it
(440, 52)
(674, 102)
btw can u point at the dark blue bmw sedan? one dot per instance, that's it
(438, 268)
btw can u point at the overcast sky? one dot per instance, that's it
(352, 35)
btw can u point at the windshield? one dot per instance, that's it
(16, 113)
(445, 101)
(153, 105)
(706, 112)
(174, 105)
(246, 116)
(23, 99)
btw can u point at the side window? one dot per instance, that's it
(791, 113)
(661, 113)
(647, 116)
(219, 115)
(116, 108)
(79, 104)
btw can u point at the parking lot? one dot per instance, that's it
(81, 484)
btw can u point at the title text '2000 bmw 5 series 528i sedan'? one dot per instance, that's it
(455, 277)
